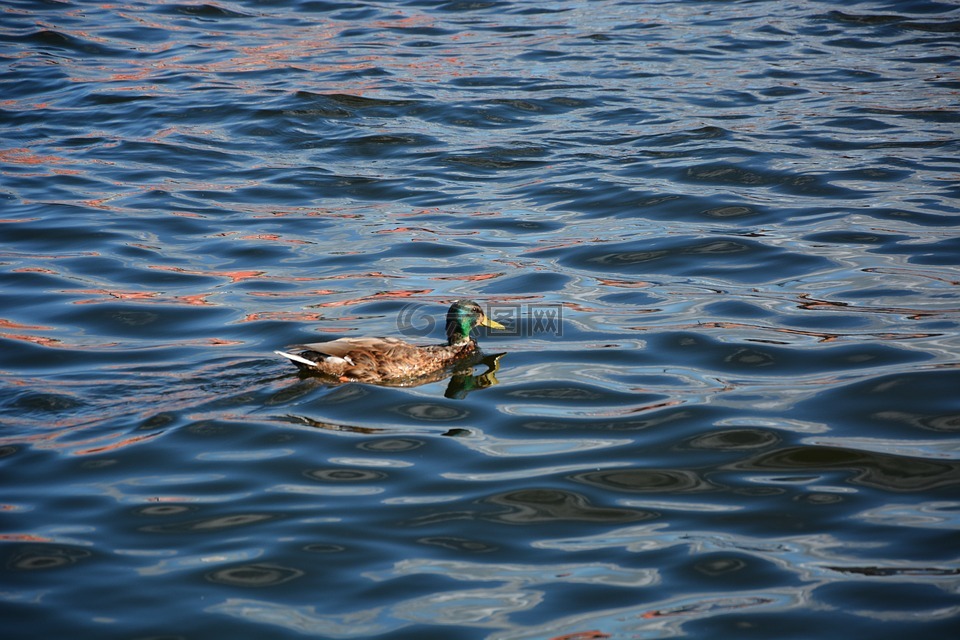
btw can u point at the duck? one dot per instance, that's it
(384, 360)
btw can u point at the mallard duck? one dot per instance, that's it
(392, 359)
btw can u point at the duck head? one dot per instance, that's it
(462, 317)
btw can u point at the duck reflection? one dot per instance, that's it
(463, 382)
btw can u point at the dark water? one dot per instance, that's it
(727, 231)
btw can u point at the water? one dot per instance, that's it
(727, 233)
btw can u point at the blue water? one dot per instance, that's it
(725, 234)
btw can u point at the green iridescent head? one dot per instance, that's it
(462, 317)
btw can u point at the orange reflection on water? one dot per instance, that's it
(68, 429)
(477, 277)
(563, 245)
(123, 442)
(314, 316)
(271, 211)
(35, 270)
(196, 300)
(234, 276)
(24, 537)
(295, 316)
(403, 229)
(626, 284)
(368, 274)
(115, 293)
(22, 155)
(380, 295)
(426, 230)
(41, 340)
(273, 237)
(100, 203)
(809, 303)
(10, 324)
(292, 294)
(306, 48)
(106, 295)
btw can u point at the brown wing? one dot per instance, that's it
(371, 359)
(344, 347)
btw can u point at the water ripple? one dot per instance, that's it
(723, 243)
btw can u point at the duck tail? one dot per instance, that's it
(297, 359)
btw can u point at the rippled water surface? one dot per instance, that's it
(729, 402)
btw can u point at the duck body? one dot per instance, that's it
(378, 359)
(391, 360)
